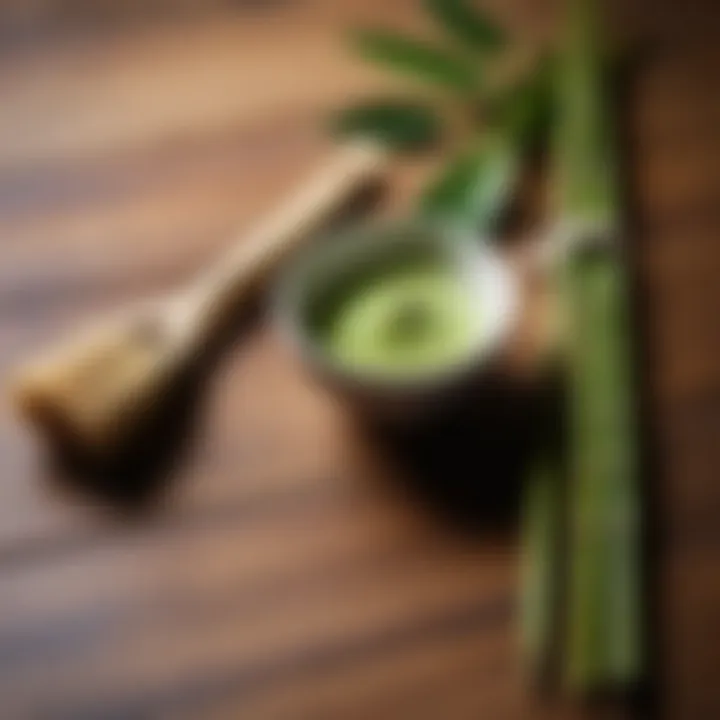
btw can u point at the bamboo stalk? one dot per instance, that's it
(541, 525)
(603, 640)
(603, 645)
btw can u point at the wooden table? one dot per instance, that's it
(287, 573)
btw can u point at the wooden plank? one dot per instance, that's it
(127, 663)
(690, 453)
(283, 576)
(691, 644)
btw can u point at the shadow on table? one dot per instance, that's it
(468, 464)
(141, 468)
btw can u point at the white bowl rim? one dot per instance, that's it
(484, 268)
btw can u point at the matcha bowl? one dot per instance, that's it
(397, 318)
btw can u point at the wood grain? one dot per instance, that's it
(289, 572)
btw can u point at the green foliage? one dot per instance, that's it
(467, 24)
(526, 108)
(474, 189)
(477, 187)
(418, 59)
(398, 124)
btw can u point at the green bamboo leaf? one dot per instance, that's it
(476, 188)
(398, 124)
(467, 23)
(526, 108)
(417, 58)
(479, 186)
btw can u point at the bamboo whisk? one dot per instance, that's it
(95, 389)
